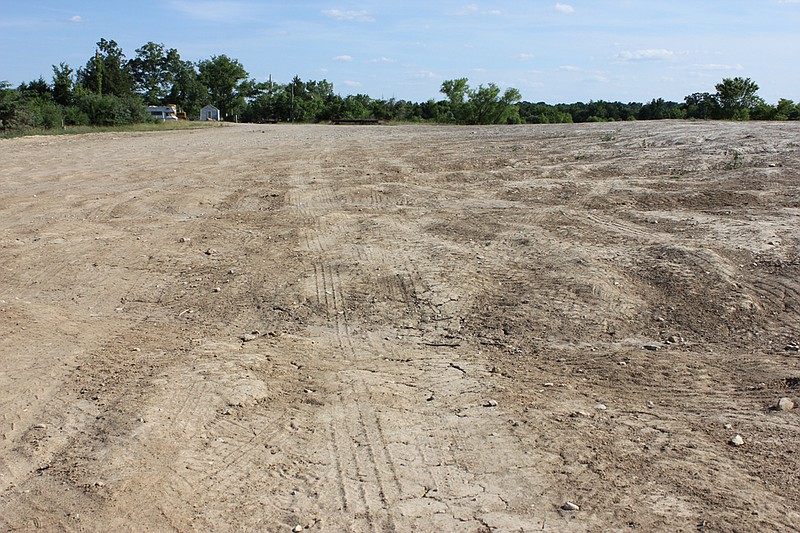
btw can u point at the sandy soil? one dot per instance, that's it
(401, 329)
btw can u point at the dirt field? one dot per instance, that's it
(334, 328)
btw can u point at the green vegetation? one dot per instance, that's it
(112, 91)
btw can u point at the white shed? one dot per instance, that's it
(209, 112)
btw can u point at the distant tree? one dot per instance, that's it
(106, 72)
(787, 110)
(153, 71)
(703, 106)
(188, 92)
(227, 83)
(737, 96)
(488, 106)
(456, 92)
(38, 88)
(63, 82)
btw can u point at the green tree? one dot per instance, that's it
(737, 96)
(227, 83)
(63, 82)
(188, 92)
(456, 92)
(153, 71)
(106, 72)
(702, 105)
(488, 106)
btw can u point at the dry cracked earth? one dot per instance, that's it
(402, 328)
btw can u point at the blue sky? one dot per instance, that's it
(567, 51)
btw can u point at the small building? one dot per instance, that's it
(209, 112)
(162, 112)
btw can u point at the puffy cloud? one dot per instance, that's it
(340, 14)
(343, 58)
(564, 8)
(352, 83)
(77, 19)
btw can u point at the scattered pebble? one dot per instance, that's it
(184, 239)
(569, 506)
(792, 347)
(601, 407)
(548, 384)
(728, 426)
(490, 403)
(785, 404)
(211, 251)
(651, 347)
(737, 441)
(217, 289)
(298, 528)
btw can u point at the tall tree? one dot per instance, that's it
(63, 81)
(227, 83)
(188, 92)
(153, 71)
(106, 72)
(736, 96)
(490, 107)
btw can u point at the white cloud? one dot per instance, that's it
(564, 8)
(525, 57)
(569, 68)
(77, 19)
(343, 58)
(716, 67)
(382, 60)
(651, 54)
(475, 9)
(352, 83)
(339, 14)
(789, 1)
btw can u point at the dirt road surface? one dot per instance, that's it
(461, 329)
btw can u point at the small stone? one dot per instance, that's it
(40, 426)
(785, 404)
(793, 347)
(490, 403)
(569, 506)
(549, 384)
(728, 426)
(184, 239)
(737, 441)
(217, 289)
(298, 528)
(650, 404)
(650, 347)
(211, 251)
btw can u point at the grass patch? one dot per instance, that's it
(143, 127)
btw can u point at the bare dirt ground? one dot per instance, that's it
(401, 329)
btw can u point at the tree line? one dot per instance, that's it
(112, 90)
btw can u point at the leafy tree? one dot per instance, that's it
(489, 107)
(106, 72)
(737, 96)
(227, 83)
(703, 106)
(63, 82)
(9, 103)
(153, 71)
(188, 92)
